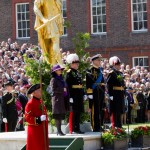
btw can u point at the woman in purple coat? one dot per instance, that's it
(59, 91)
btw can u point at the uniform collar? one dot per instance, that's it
(35, 98)
(95, 66)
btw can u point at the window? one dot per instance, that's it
(64, 13)
(98, 16)
(139, 15)
(22, 20)
(141, 61)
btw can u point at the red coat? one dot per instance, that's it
(35, 133)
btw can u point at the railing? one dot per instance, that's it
(76, 144)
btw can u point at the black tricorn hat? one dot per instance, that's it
(33, 88)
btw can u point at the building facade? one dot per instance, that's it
(116, 27)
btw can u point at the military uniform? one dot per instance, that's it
(97, 90)
(74, 82)
(10, 110)
(115, 84)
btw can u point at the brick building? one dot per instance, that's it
(117, 27)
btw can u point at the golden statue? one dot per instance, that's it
(49, 25)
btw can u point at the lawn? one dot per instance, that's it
(131, 126)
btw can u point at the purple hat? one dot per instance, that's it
(57, 67)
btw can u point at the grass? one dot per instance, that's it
(132, 126)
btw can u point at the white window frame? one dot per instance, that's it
(17, 34)
(65, 18)
(133, 62)
(101, 33)
(132, 21)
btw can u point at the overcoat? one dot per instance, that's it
(58, 104)
(36, 138)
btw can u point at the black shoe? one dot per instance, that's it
(101, 129)
(60, 133)
(96, 130)
(78, 132)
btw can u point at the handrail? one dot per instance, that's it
(76, 144)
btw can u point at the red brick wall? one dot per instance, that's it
(5, 19)
(119, 40)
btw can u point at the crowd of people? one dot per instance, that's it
(136, 88)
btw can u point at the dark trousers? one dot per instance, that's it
(95, 120)
(76, 121)
(129, 116)
(12, 124)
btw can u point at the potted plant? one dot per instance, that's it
(114, 139)
(140, 136)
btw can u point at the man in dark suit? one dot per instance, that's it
(22, 96)
(116, 90)
(74, 82)
(95, 90)
(129, 95)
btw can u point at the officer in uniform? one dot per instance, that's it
(74, 82)
(10, 114)
(95, 90)
(116, 86)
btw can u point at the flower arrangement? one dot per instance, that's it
(141, 130)
(109, 136)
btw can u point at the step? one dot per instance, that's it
(56, 147)
(62, 141)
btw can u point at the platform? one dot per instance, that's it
(16, 140)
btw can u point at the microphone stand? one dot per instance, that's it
(129, 139)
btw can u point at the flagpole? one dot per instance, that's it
(44, 131)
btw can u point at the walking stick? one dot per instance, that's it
(44, 125)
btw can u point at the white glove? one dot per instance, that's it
(71, 100)
(85, 97)
(90, 96)
(43, 117)
(111, 97)
(5, 120)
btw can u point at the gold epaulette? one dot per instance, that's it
(89, 91)
(68, 70)
(4, 93)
